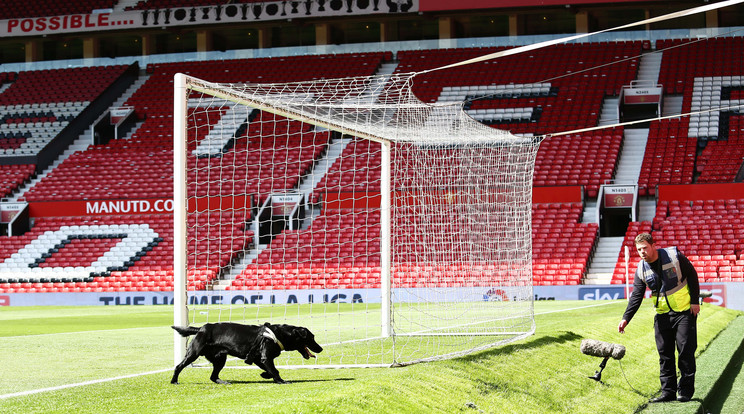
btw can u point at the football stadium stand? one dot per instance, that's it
(561, 88)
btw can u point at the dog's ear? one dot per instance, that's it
(301, 332)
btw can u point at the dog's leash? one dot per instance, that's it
(268, 333)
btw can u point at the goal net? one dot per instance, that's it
(396, 231)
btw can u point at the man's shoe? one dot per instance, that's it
(663, 398)
(683, 398)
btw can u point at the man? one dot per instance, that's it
(675, 293)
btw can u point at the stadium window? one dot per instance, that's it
(686, 22)
(235, 39)
(417, 29)
(355, 32)
(61, 49)
(604, 18)
(550, 21)
(481, 26)
(293, 35)
(120, 45)
(731, 17)
(176, 42)
(12, 52)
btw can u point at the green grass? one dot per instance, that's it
(545, 373)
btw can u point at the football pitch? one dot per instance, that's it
(119, 359)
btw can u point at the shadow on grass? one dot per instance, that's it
(535, 343)
(290, 382)
(724, 387)
(263, 381)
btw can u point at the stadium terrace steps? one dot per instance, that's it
(649, 67)
(320, 169)
(610, 111)
(603, 261)
(631, 157)
(215, 142)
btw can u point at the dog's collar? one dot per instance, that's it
(268, 333)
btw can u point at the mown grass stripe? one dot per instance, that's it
(80, 384)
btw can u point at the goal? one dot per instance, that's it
(396, 231)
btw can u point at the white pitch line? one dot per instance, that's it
(86, 332)
(580, 307)
(79, 384)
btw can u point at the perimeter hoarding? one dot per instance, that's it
(727, 294)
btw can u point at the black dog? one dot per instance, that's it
(256, 344)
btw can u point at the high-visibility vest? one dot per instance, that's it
(675, 294)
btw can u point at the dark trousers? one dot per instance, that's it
(676, 329)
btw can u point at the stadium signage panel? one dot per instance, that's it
(597, 293)
(188, 16)
(9, 210)
(59, 24)
(202, 204)
(117, 114)
(128, 206)
(718, 296)
(619, 196)
(558, 194)
(727, 293)
(632, 96)
(283, 204)
(125, 207)
(442, 5)
(257, 297)
(100, 207)
(686, 192)
(353, 200)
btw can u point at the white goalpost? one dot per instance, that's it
(396, 231)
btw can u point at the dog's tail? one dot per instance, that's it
(186, 330)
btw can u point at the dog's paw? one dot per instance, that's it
(266, 375)
(221, 382)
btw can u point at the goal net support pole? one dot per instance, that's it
(180, 311)
(385, 244)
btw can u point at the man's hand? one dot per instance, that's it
(621, 327)
(695, 309)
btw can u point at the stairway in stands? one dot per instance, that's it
(629, 165)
